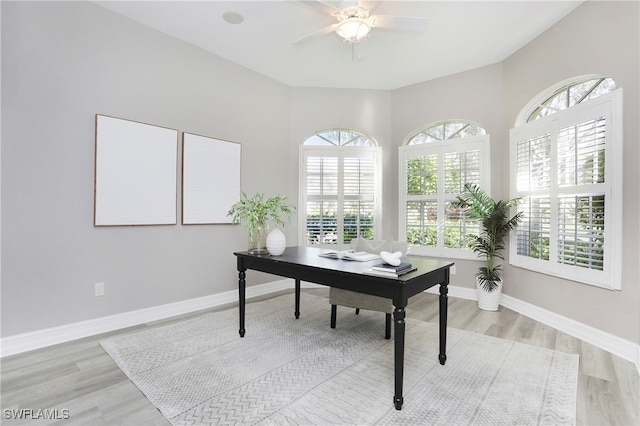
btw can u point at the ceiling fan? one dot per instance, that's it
(354, 23)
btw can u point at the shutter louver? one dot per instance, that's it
(460, 168)
(534, 164)
(581, 231)
(359, 196)
(322, 204)
(581, 153)
(422, 223)
(533, 234)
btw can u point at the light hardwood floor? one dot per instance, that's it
(81, 378)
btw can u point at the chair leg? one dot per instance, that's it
(387, 327)
(334, 310)
(357, 311)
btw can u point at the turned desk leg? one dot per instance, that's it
(442, 356)
(399, 326)
(241, 299)
(297, 312)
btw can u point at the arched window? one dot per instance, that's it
(568, 95)
(340, 185)
(436, 161)
(339, 137)
(446, 130)
(566, 162)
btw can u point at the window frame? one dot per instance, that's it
(340, 152)
(481, 143)
(609, 106)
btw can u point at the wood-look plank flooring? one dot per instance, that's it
(81, 378)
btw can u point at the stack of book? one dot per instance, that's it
(386, 270)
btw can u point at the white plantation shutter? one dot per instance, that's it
(581, 151)
(422, 223)
(322, 199)
(433, 173)
(581, 231)
(339, 192)
(567, 170)
(534, 233)
(534, 164)
(359, 197)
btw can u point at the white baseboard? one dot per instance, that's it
(25, 342)
(20, 343)
(620, 347)
(625, 349)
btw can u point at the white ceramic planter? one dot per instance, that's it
(488, 300)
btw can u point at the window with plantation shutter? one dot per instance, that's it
(339, 189)
(566, 166)
(435, 164)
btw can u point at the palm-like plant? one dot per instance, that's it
(496, 225)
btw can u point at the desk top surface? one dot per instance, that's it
(310, 257)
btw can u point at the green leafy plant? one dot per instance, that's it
(495, 226)
(254, 212)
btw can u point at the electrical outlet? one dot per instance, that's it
(453, 270)
(99, 289)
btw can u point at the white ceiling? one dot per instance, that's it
(460, 35)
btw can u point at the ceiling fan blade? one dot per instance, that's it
(370, 5)
(315, 35)
(321, 6)
(407, 23)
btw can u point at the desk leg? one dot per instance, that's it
(241, 299)
(442, 356)
(297, 312)
(398, 331)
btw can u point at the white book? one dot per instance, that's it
(359, 256)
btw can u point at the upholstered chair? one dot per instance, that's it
(368, 302)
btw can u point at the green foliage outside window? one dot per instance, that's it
(323, 229)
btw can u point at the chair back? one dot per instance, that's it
(376, 246)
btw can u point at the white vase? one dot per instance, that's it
(276, 242)
(488, 300)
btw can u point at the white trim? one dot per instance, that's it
(20, 343)
(455, 291)
(25, 342)
(625, 349)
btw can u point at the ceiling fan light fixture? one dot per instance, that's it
(353, 29)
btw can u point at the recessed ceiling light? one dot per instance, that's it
(233, 17)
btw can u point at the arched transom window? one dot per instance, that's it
(339, 137)
(571, 94)
(446, 130)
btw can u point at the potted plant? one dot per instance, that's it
(256, 212)
(495, 225)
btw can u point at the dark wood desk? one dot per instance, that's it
(305, 264)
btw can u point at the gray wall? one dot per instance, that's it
(61, 64)
(64, 62)
(314, 109)
(473, 95)
(597, 38)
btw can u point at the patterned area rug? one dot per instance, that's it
(288, 371)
